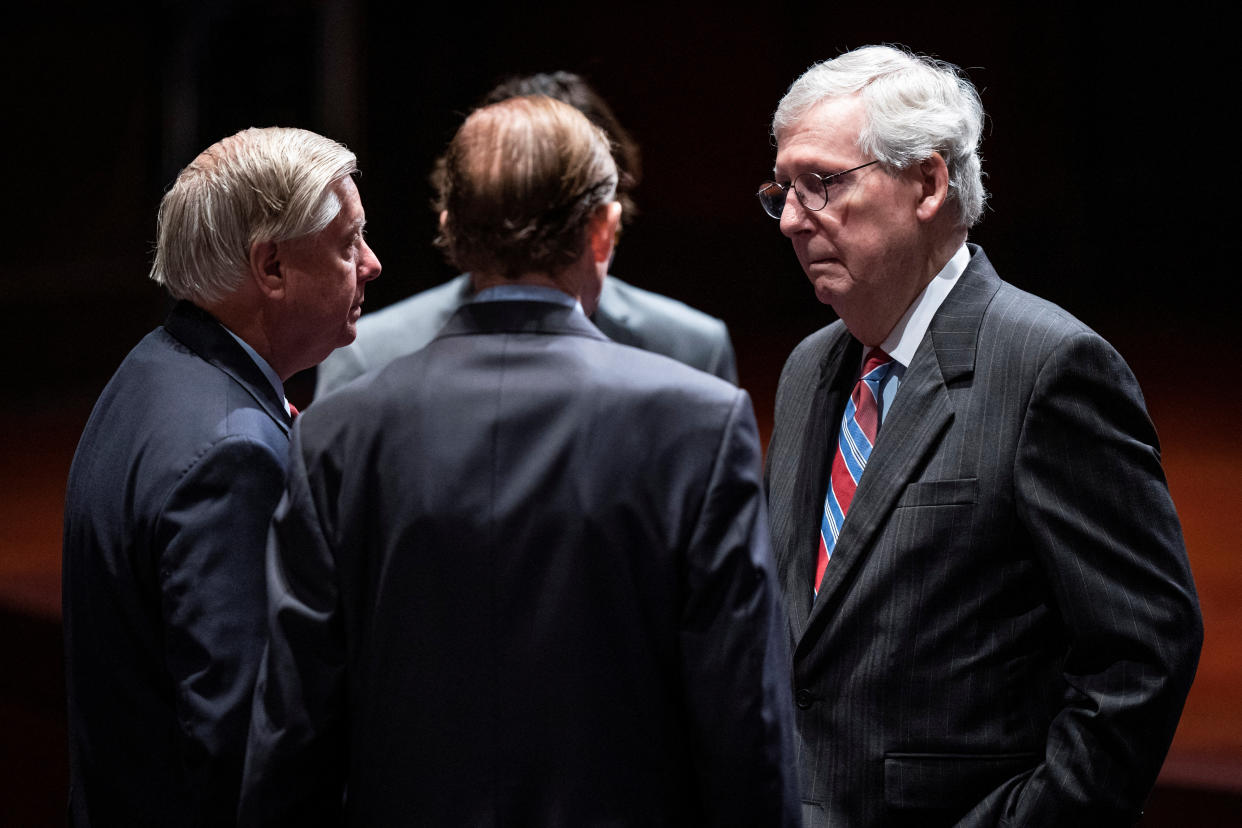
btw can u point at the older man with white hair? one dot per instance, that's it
(179, 470)
(990, 606)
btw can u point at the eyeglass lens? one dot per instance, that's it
(810, 190)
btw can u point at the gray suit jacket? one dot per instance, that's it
(626, 314)
(522, 577)
(1007, 629)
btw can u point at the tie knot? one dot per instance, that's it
(876, 358)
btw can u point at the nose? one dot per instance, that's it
(794, 217)
(369, 265)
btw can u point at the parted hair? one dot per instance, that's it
(915, 106)
(521, 179)
(258, 185)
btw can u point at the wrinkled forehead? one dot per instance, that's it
(826, 135)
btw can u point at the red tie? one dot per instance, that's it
(854, 442)
(293, 411)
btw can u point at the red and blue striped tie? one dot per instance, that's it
(858, 430)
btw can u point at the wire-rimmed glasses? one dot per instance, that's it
(811, 188)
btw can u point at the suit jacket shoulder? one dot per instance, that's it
(633, 316)
(626, 314)
(399, 329)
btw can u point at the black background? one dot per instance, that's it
(1108, 150)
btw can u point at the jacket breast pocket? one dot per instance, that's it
(930, 781)
(961, 492)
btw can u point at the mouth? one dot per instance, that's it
(823, 261)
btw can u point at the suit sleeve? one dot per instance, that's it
(211, 534)
(1092, 496)
(723, 362)
(735, 660)
(296, 753)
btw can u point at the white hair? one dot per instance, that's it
(258, 185)
(914, 106)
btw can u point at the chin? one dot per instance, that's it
(825, 292)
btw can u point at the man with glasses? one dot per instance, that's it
(991, 609)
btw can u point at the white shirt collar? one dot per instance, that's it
(904, 339)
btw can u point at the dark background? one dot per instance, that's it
(1105, 147)
(1108, 151)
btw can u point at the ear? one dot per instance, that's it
(443, 218)
(934, 177)
(602, 231)
(265, 268)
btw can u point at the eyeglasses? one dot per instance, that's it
(811, 189)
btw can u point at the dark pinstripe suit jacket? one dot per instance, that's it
(1008, 628)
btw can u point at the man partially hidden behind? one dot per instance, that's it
(992, 614)
(625, 313)
(521, 576)
(179, 470)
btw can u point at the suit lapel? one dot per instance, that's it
(201, 333)
(836, 378)
(915, 424)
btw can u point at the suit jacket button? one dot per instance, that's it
(803, 698)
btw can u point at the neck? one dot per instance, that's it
(875, 328)
(249, 321)
(483, 281)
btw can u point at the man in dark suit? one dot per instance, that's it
(625, 313)
(522, 576)
(991, 611)
(179, 470)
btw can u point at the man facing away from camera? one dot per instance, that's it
(522, 576)
(991, 612)
(625, 313)
(180, 467)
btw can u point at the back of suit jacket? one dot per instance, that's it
(526, 580)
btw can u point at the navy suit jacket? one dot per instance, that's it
(522, 577)
(626, 314)
(170, 495)
(1007, 629)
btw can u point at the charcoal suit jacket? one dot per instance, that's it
(522, 577)
(1007, 628)
(626, 314)
(170, 494)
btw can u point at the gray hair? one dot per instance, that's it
(914, 105)
(259, 185)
